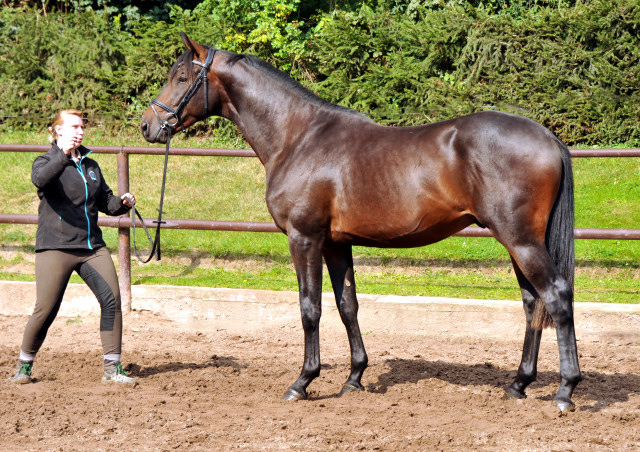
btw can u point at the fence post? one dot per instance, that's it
(124, 236)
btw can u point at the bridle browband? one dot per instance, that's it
(201, 78)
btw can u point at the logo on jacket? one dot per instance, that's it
(92, 175)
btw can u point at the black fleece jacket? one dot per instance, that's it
(71, 194)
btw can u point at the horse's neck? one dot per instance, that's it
(270, 118)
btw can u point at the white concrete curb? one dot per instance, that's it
(184, 303)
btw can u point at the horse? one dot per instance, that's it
(335, 179)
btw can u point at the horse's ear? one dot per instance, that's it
(198, 50)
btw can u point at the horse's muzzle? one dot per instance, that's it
(152, 132)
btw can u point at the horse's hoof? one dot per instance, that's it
(292, 394)
(348, 388)
(565, 405)
(512, 394)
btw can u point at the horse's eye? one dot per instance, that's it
(182, 79)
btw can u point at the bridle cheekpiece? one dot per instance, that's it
(201, 78)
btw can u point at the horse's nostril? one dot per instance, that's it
(143, 127)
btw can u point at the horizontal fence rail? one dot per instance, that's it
(214, 152)
(253, 226)
(202, 152)
(123, 223)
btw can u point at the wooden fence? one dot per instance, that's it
(123, 223)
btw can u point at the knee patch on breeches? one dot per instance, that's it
(103, 293)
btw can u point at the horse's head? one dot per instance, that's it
(188, 96)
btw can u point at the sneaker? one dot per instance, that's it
(114, 373)
(23, 374)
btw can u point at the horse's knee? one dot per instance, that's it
(348, 310)
(310, 315)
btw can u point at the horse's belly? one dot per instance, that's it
(389, 235)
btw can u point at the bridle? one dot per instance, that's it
(201, 79)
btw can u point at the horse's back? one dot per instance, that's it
(487, 135)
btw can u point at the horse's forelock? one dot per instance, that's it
(184, 59)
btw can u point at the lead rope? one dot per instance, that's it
(155, 243)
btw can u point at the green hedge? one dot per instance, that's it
(58, 61)
(572, 66)
(576, 70)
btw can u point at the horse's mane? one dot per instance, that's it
(286, 80)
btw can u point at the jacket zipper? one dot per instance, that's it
(86, 197)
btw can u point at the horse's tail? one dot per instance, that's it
(559, 238)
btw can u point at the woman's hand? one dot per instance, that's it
(68, 144)
(128, 199)
(69, 134)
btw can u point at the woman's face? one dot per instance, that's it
(70, 131)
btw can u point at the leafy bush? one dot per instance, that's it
(56, 61)
(571, 66)
(391, 66)
(575, 69)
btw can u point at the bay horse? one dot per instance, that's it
(335, 178)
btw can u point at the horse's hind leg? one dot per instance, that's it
(528, 369)
(556, 293)
(339, 262)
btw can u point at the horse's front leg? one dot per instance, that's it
(339, 262)
(307, 260)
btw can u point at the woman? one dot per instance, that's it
(72, 191)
